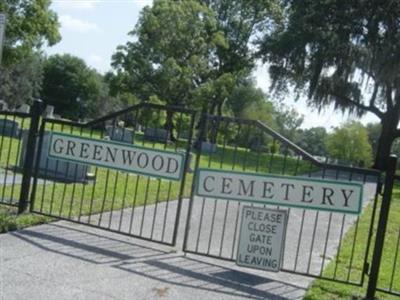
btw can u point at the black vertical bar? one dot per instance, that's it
(195, 174)
(380, 234)
(395, 262)
(29, 156)
(183, 180)
(371, 226)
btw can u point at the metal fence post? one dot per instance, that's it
(380, 234)
(29, 155)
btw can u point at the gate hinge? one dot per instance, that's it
(366, 268)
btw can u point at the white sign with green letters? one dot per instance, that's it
(114, 155)
(301, 192)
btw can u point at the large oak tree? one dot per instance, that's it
(345, 53)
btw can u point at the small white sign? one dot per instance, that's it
(261, 238)
(119, 156)
(301, 192)
(2, 31)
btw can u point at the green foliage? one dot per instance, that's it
(288, 121)
(350, 143)
(152, 118)
(239, 22)
(21, 82)
(341, 52)
(75, 90)
(190, 53)
(260, 110)
(313, 140)
(9, 220)
(29, 25)
(175, 42)
(249, 102)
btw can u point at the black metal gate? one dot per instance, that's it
(322, 244)
(313, 238)
(128, 203)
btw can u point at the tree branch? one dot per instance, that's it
(373, 96)
(370, 108)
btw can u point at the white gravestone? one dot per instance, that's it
(24, 108)
(49, 112)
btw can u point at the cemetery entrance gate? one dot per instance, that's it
(122, 172)
(126, 173)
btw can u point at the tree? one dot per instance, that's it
(71, 86)
(172, 55)
(191, 53)
(313, 140)
(288, 121)
(341, 52)
(29, 25)
(349, 142)
(21, 82)
(249, 102)
(239, 22)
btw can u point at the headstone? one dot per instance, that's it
(3, 105)
(139, 128)
(256, 144)
(24, 108)
(54, 169)
(9, 128)
(185, 134)
(120, 134)
(207, 148)
(49, 112)
(156, 135)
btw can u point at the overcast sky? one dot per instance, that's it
(92, 29)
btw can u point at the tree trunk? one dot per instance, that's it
(212, 108)
(201, 134)
(169, 125)
(388, 134)
(219, 108)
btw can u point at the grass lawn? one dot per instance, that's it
(322, 289)
(9, 220)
